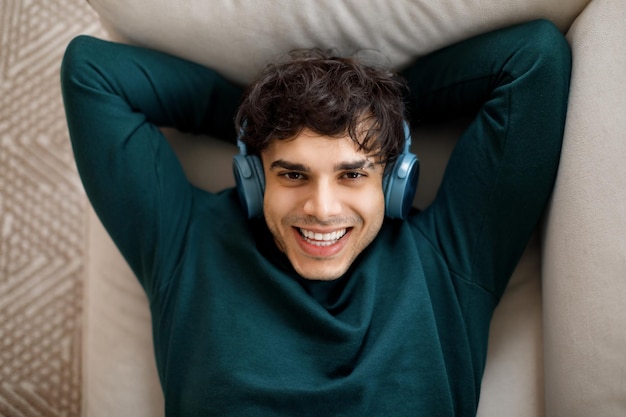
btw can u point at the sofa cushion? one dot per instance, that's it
(237, 38)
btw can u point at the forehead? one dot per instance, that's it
(310, 146)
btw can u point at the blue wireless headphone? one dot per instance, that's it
(399, 182)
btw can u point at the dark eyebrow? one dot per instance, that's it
(342, 166)
(291, 166)
(354, 165)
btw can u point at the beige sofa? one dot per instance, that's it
(558, 344)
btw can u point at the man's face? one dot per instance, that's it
(323, 202)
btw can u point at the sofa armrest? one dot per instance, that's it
(584, 268)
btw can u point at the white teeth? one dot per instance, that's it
(322, 239)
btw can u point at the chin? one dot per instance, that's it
(321, 274)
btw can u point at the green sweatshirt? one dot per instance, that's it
(236, 331)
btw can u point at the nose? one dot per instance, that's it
(323, 201)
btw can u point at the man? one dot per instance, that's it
(319, 304)
(334, 128)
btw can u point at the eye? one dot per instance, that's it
(353, 175)
(293, 176)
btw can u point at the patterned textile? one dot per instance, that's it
(42, 216)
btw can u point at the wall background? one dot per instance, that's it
(42, 208)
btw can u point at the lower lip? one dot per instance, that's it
(321, 251)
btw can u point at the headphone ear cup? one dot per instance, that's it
(250, 181)
(399, 186)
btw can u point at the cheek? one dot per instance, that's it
(371, 203)
(273, 198)
(277, 204)
(377, 212)
(270, 207)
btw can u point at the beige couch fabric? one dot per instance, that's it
(237, 38)
(582, 374)
(585, 277)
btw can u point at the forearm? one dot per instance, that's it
(167, 90)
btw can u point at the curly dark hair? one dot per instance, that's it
(329, 95)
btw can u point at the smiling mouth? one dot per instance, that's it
(322, 239)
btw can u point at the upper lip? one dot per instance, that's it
(320, 230)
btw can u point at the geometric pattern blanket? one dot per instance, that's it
(42, 213)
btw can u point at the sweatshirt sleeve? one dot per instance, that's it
(116, 97)
(514, 83)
